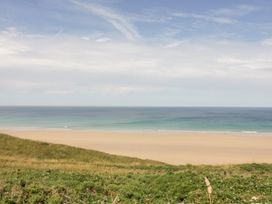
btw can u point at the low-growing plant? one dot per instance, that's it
(28, 179)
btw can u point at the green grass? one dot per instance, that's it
(12, 146)
(37, 172)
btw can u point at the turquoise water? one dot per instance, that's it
(136, 118)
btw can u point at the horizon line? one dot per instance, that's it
(133, 106)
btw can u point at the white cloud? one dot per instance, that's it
(85, 38)
(101, 40)
(7, 44)
(187, 59)
(68, 65)
(175, 44)
(117, 20)
(215, 19)
(246, 64)
(239, 10)
(267, 41)
(221, 15)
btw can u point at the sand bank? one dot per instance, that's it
(169, 147)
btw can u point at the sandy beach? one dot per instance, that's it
(169, 147)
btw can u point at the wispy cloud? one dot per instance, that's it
(239, 10)
(164, 54)
(221, 15)
(73, 67)
(117, 20)
(151, 15)
(215, 19)
(67, 52)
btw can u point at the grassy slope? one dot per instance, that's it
(12, 146)
(37, 172)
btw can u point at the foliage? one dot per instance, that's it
(94, 177)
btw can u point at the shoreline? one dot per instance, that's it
(169, 147)
(242, 132)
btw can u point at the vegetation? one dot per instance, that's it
(37, 172)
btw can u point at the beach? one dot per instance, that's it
(169, 147)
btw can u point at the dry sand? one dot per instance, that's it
(169, 147)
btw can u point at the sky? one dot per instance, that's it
(136, 53)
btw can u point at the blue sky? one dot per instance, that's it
(136, 53)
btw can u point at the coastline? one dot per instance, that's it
(166, 146)
(67, 129)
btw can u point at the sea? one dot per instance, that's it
(203, 119)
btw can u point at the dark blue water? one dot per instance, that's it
(136, 118)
